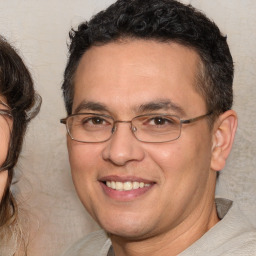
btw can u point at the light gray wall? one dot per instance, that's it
(39, 30)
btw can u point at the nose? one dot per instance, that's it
(123, 147)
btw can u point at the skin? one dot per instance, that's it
(178, 208)
(5, 126)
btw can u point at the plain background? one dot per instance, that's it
(39, 30)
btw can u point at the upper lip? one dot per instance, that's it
(124, 179)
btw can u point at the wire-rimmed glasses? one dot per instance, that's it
(154, 128)
(5, 111)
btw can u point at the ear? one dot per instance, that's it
(223, 137)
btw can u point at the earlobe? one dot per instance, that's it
(223, 138)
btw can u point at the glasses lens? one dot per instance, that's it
(157, 128)
(89, 127)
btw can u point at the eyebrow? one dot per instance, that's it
(91, 106)
(162, 104)
(156, 105)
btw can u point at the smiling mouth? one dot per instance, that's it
(127, 185)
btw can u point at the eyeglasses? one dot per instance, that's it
(154, 128)
(5, 111)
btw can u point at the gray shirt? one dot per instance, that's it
(232, 236)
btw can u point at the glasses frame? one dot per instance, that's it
(133, 129)
(5, 111)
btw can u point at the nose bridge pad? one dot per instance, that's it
(113, 129)
(133, 128)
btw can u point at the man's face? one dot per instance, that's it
(127, 79)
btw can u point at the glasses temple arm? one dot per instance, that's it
(188, 121)
(63, 120)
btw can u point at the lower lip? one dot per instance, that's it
(125, 195)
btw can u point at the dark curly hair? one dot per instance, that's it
(16, 86)
(162, 21)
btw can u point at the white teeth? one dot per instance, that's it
(136, 185)
(119, 186)
(113, 185)
(126, 186)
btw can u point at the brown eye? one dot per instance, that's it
(93, 121)
(97, 120)
(159, 121)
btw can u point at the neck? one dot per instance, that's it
(171, 242)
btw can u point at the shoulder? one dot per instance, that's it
(243, 244)
(96, 243)
(233, 235)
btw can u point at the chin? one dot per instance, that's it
(126, 227)
(128, 234)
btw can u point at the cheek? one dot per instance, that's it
(4, 143)
(3, 181)
(170, 160)
(167, 155)
(182, 158)
(3, 154)
(184, 172)
(83, 161)
(82, 157)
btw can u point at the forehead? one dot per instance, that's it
(127, 73)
